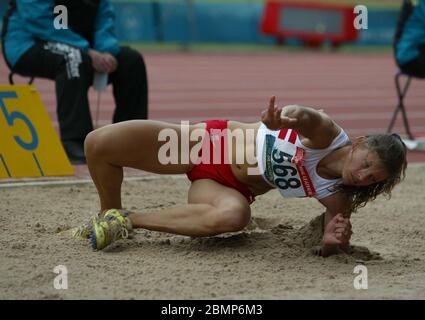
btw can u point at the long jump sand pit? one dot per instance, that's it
(271, 259)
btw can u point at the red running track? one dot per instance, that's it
(357, 90)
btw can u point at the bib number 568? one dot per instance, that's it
(12, 117)
(283, 171)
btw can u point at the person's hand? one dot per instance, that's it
(98, 62)
(110, 61)
(274, 119)
(103, 62)
(338, 231)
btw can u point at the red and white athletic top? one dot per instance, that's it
(286, 164)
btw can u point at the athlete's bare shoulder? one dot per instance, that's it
(322, 133)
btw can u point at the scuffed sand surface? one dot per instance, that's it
(271, 259)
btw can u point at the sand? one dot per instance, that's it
(271, 259)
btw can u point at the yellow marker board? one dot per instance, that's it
(29, 145)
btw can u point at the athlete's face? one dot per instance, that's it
(363, 167)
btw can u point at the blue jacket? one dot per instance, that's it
(33, 20)
(413, 35)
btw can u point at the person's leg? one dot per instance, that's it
(130, 86)
(71, 92)
(71, 70)
(129, 144)
(212, 209)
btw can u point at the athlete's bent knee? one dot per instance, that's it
(94, 145)
(231, 219)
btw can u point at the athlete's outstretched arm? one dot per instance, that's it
(310, 123)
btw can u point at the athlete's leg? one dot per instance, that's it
(127, 144)
(212, 209)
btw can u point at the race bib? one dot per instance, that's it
(283, 165)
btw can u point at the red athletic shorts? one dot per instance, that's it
(222, 172)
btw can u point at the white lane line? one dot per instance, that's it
(70, 182)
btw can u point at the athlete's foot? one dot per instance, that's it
(83, 231)
(114, 225)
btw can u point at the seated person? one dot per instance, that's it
(410, 38)
(34, 47)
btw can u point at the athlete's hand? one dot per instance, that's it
(274, 119)
(338, 231)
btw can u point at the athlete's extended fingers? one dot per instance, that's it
(272, 102)
(272, 107)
